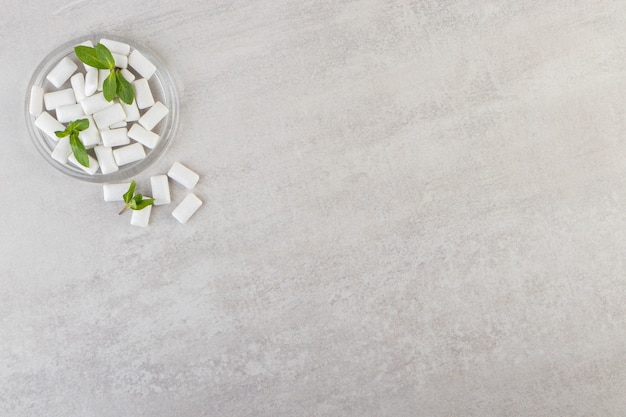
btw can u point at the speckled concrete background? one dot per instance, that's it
(412, 208)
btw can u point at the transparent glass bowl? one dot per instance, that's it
(163, 90)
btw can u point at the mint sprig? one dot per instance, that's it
(88, 55)
(100, 57)
(135, 201)
(72, 130)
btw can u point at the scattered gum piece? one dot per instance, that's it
(141, 217)
(160, 190)
(115, 192)
(183, 175)
(187, 208)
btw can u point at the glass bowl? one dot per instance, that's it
(163, 90)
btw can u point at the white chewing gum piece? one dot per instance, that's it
(153, 116)
(121, 61)
(35, 105)
(62, 151)
(130, 77)
(95, 103)
(58, 98)
(129, 153)
(119, 125)
(115, 137)
(91, 81)
(141, 64)
(90, 136)
(49, 125)
(102, 75)
(131, 110)
(145, 137)
(183, 175)
(160, 190)
(62, 72)
(91, 169)
(141, 217)
(105, 159)
(115, 192)
(70, 113)
(77, 81)
(110, 115)
(143, 94)
(116, 47)
(187, 208)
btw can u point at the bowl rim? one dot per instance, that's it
(169, 125)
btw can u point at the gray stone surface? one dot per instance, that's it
(412, 208)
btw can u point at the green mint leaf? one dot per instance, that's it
(62, 133)
(88, 55)
(110, 86)
(80, 124)
(129, 194)
(135, 201)
(104, 55)
(124, 89)
(143, 204)
(80, 153)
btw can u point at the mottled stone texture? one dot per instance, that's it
(412, 208)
